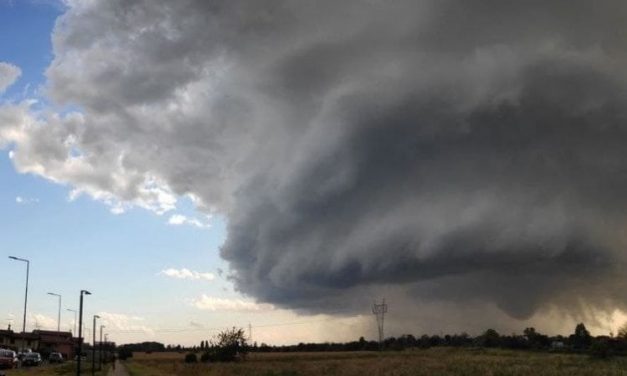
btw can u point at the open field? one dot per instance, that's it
(435, 361)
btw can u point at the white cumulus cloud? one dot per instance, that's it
(43, 322)
(9, 73)
(209, 303)
(26, 200)
(185, 273)
(179, 219)
(123, 322)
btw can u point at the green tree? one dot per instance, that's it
(530, 333)
(581, 339)
(191, 358)
(490, 338)
(229, 345)
(622, 332)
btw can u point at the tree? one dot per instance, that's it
(191, 358)
(362, 343)
(535, 339)
(490, 338)
(581, 339)
(124, 352)
(530, 333)
(230, 344)
(622, 332)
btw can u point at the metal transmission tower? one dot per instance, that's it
(379, 311)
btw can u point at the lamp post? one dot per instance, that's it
(93, 347)
(25, 293)
(75, 312)
(80, 332)
(108, 347)
(59, 314)
(100, 349)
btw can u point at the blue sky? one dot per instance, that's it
(25, 28)
(79, 244)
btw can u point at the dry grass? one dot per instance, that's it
(437, 361)
(67, 368)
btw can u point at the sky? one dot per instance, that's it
(284, 165)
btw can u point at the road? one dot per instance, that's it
(119, 370)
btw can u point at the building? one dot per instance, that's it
(53, 341)
(18, 341)
(42, 341)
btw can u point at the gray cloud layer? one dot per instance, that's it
(465, 151)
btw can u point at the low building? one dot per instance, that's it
(53, 341)
(43, 341)
(18, 341)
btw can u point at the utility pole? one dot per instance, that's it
(25, 293)
(108, 349)
(379, 310)
(75, 321)
(93, 348)
(250, 334)
(59, 313)
(100, 350)
(80, 333)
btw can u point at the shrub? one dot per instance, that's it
(230, 345)
(124, 353)
(191, 358)
(600, 349)
(205, 357)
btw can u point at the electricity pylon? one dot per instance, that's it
(379, 311)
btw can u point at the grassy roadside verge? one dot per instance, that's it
(137, 369)
(68, 368)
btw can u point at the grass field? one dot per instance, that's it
(436, 361)
(67, 368)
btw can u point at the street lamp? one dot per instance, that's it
(25, 294)
(80, 332)
(75, 322)
(93, 347)
(108, 347)
(59, 314)
(100, 349)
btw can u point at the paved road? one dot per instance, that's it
(120, 370)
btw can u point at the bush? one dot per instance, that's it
(191, 358)
(600, 350)
(205, 357)
(124, 353)
(230, 346)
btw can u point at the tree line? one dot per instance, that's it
(235, 342)
(579, 341)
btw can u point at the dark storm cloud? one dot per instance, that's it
(460, 151)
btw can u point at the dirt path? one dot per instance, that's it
(119, 370)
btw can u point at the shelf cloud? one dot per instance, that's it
(436, 151)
